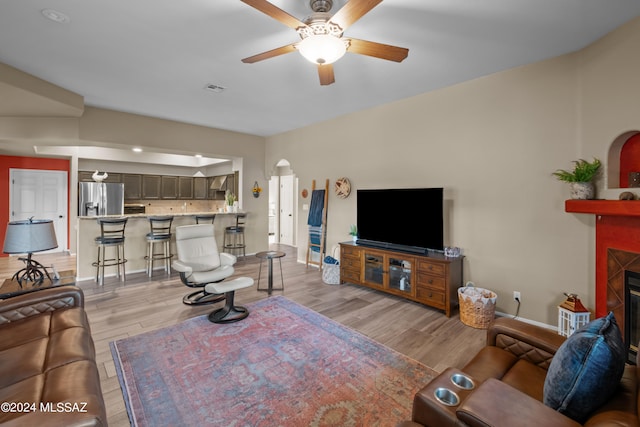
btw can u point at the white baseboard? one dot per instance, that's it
(532, 322)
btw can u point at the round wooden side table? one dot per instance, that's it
(270, 256)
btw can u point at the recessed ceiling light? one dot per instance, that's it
(55, 16)
(198, 155)
(137, 150)
(214, 88)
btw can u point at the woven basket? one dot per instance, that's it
(477, 306)
(331, 272)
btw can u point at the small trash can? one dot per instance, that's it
(477, 306)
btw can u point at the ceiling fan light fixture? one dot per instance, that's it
(322, 48)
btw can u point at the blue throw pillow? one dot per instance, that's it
(586, 369)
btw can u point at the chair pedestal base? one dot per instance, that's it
(230, 312)
(201, 298)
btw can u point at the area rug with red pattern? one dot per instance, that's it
(284, 365)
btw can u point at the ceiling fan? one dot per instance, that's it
(322, 35)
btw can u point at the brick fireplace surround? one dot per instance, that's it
(617, 249)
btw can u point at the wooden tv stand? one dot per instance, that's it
(431, 279)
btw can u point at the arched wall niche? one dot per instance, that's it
(281, 167)
(623, 157)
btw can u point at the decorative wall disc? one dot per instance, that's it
(305, 193)
(342, 187)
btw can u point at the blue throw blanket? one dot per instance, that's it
(315, 236)
(317, 206)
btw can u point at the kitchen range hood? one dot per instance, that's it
(218, 183)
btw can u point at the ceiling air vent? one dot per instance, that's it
(214, 88)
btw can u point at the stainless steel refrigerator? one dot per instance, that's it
(100, 198)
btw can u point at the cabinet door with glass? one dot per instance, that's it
(392, 272)
(374, 269)
(400, 278)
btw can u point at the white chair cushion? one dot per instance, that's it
(197, 244)
(228, 286)
(211, 275)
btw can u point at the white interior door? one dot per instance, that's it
(286, 209)
(274, 209)
(42, 195)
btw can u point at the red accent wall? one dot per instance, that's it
(629, 159)
(37, 163)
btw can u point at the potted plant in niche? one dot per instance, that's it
(353, 231)
(230, 200)
(581, 178)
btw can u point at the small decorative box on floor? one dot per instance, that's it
(477, 306)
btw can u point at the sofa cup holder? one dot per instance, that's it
(446, 396)
(462, 381)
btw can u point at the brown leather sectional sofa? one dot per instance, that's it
(48, 373)
(509, 375)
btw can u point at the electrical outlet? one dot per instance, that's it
(516, 296)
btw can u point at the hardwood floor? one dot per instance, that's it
(122, 309)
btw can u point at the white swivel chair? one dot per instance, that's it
(200, 263)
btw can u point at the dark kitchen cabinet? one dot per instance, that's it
(185, 187)
(200, 188)
(151, 186)
(84, 176)
(132, 186)
(169, 187)
(232, 185)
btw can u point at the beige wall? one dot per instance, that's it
(492, 143)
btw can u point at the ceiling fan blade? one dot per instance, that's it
(275, 12)
(352, 11)
(325, 71)
(270, 54)
(378, 50)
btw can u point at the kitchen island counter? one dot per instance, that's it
(135, 240)
(174, 214)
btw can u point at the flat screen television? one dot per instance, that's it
(409, 219)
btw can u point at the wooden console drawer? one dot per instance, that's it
(431, 281)
(431, 267)
(353, 251)
(350, 262)
(430, 297)
(350, 275)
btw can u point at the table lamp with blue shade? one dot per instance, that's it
(26, 237)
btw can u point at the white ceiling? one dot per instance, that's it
(154, 57)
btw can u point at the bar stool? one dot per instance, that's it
(234, 236)
(111, 235)
(160, 233)
(205, 218)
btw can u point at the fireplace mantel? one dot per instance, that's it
(604, 207)
(617, 227)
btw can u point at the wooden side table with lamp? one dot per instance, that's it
(27, 237)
